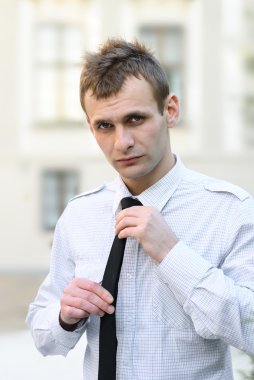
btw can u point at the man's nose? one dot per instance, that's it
(123, 139)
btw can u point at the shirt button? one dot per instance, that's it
(129, 276)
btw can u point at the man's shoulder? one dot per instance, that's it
(215, 185)
(90, 192)
(99, 192)
(220, 186)
(88, 206)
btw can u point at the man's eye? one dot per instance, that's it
(135, 118)
(104, 125)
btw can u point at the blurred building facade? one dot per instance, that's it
(47, 153)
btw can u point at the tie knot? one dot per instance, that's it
(129, 202)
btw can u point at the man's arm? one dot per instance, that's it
(220, 301)
(60, 292)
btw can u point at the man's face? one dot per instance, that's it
(132, 132)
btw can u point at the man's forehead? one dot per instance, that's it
(134, 93)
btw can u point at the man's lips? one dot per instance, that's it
(128, 159)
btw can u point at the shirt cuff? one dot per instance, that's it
(71, 327)
(182, 269)
(65, 338)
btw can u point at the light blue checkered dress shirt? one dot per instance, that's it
(175, 320)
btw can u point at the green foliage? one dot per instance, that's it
(250, 375)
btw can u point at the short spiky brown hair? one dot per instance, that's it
(104, 72)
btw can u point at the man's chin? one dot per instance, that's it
(131, 172)
(131, 175)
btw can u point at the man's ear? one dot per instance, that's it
(172, 110)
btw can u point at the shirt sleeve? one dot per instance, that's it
(219, 301)
(43, 314)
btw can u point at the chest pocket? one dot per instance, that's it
(166, 309)
(91, 268)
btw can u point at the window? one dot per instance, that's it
(168, 45)
(58, 50)
(58, 187)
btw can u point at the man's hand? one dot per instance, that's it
(83, 297)
(147, 225)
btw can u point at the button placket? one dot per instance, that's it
(127, 287)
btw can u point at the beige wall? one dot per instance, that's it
(209, 141)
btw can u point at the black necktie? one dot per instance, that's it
(108, 340)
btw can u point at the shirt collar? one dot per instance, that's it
(158, 194)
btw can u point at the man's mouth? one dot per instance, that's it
(126, 160)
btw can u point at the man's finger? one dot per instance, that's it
(125, 222)
(95, 288)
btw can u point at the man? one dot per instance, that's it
(186, 288)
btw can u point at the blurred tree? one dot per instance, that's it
(250, 375)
